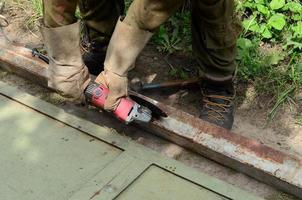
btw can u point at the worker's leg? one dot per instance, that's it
(100, 17)
(61, 33)
(59, 12)
(214, 31)
(150, 14)
(129, 38)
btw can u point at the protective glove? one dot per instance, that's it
(66, 73)
(117, 85)
(125, 45)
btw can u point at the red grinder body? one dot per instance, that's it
(126, 111)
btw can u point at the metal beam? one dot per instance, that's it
(246, 155)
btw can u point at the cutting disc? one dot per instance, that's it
(145, 101)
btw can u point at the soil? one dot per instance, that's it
(251, 111)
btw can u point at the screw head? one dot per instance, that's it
(98, 92)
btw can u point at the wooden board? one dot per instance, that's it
(46, 153)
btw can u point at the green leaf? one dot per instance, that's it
(243, 48)
(266, 33)
(262, 9)
(294, 44)
(251, 25)
(244, 43)
(296, 17)
(277, 4)
(293, 7)
(248, 5)
(260, 2)
(299, 121)
(277, 21)
(297, 29)
(280, 100)
(275, 58)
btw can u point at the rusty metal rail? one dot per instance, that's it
(246, 155)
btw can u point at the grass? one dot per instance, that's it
(175, 34)
(270, 72)
(271, 24)
(299, 120)
(32, 9)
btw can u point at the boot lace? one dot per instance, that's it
(215, 110)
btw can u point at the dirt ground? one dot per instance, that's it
(282, 133)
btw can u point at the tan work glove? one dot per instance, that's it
(125, 45)
(118, 88)
(66, 73)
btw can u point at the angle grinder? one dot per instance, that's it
(127, 110)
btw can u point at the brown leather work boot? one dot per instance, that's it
(218, 104)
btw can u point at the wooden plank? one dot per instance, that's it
(246, 155)
(79, 162)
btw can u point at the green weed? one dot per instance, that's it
(276, 22)
(167, 42)
(299, 120)
(249, 68)
(38, 11)
(178, 73)
(32, 9)
(280, 81)
(175, 34)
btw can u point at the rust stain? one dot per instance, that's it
(95, 194)
(244, 143)
(203, 127)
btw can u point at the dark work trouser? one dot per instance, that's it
(214, 31)
(99, 16)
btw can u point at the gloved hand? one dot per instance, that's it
(117, 85)
(66, 73)
(125, 45)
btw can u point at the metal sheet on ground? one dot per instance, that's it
(46, 153)
(45, 159)
(157, 183)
